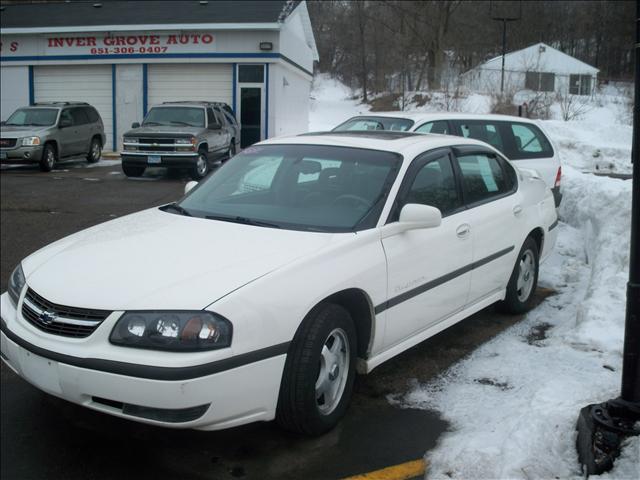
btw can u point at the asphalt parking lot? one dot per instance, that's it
(43, 437)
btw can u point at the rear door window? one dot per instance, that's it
(528, 142)
(91, 113)
(79, 117)
(488, 132)
(483, 177)
(439, 126)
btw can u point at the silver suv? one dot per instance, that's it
(47, 132)
(189, 135)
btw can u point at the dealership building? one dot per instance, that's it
(122, 57)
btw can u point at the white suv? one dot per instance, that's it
(520, 139)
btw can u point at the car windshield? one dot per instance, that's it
(37, 117)
(181, 116)
(298, 187)
(375, 123)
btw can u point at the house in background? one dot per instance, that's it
(538, 68)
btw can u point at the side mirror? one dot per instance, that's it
(64, 123)
(135, 125)
(189, 186)
(214, 126)
(413, 216)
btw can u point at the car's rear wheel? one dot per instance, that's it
(49, 158)
(319, 372)
(94, 151)
(232, 149)
(133, 170)
(201, 167)
(524, 279)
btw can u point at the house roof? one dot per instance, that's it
(116, 12)
(540, 58)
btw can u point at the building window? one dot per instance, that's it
(540, 81)
(580, 84)
(251, 73)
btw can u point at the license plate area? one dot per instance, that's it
(154, 159)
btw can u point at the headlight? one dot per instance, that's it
(127, 140)
(185, 141)
(177, 331)
(16, 284)
(31, 141)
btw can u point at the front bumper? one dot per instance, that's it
(230, 397)
(167, 160)
(21, 154)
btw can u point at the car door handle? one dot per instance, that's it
(517, 210)
(463, 230)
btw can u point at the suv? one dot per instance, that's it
(47, 132)
(520, 139)
(181, 135)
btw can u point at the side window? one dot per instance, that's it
(483, 131)
(439, 126)
(220, 117)
(91, 114)
(230, 118)
(65, 115)
(435, 185)
(79, 117)
(526, 139)
(211, 119)
(482, 177)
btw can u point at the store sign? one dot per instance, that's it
(108, 44)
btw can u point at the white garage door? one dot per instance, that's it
(180, 82)
(83, 83)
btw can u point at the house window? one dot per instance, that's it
(580, 84)
(540, 81)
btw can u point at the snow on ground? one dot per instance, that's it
(513, 403)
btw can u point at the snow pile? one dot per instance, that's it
(331, 104)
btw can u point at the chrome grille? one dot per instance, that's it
(8, 142)
(58, 319)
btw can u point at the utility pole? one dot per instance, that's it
(602, 427)
(504, 19)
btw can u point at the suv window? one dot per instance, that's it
(219, 117)
(65, 115)
(483, 177)
(78, 116)
(439, 126)
(211, 119)
(230, 118)
(435, 185)
(91, 114)
(487, 132)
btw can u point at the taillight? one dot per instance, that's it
(558, 177)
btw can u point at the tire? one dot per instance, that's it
(132, 170)
(201, 167)
(232, 149)
(49, 158)
(95, 150)
(325, 347)
(523, 281)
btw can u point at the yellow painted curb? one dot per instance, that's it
(403, 471)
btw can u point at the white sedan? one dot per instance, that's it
(262, 292)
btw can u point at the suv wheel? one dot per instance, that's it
(232, 149)
(49, 158)
(132, 170)
(94, 151)
(201, 167)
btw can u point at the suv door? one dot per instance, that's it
(489, 186)
(67, 135)
(216, 138)
(428, 269)
(82, 130)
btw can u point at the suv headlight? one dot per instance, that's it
(186, 141)
(16, 284)
(127, 140)
(176, 331)
(31, 141)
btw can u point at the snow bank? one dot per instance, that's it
(331, 104)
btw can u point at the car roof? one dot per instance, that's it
(419, 117)
(375, 140)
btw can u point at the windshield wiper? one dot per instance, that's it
(177, 122)
(151, 123)
(177, 208)
(243, 220)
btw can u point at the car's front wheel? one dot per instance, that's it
(319, 372)
(200, 169)
(524, 279)
(49, 158)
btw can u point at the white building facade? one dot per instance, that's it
(538, 68)
(255, 56)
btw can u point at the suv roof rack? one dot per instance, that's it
(36, 104)
(194, 102)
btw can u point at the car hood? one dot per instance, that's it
(159, 260)
(16, 131)
(163, 131)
